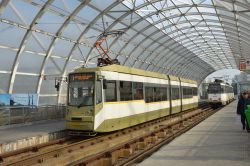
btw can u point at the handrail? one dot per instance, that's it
(23, 114)
(43, 106)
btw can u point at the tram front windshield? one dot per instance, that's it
(81, 89)
(215, 88)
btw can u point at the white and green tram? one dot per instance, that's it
(114, 97)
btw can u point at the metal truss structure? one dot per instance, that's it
(187, 38)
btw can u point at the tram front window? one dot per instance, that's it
(214, 88)
(81, 90)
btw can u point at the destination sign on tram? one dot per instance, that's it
(81, 77)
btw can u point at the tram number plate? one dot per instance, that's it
(76, 123)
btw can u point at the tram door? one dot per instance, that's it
(181, 94)
(170, 95)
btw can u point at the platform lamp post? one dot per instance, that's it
(58, 83)
(57, 86)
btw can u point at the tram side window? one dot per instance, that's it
(98, 92)
(149, 94)
(232, 90)
(110, 92)
(229, 89)
(164, 94)
(184, 92)
(187, 92)
(190, 92)
(160, 94)
(138, 90)
(126, 91)
(175, 93)
(157, 94)
(215, 88)
(222, 89)
(195, 91)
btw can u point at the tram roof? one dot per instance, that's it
(133, 71)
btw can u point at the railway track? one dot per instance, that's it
(118, 148)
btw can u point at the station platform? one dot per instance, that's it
(14, 138)
(218, 141)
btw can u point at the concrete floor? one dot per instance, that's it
(16, 133)
(28, 135)
(219, 140)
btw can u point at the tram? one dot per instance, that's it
(220, 93)
(114, 97)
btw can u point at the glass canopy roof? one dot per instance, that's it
(44, 39)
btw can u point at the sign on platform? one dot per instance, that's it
(244, 65)
(18, 99)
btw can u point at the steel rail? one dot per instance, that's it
(68, 150)
(135, 150)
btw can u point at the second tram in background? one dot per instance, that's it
(220, 93)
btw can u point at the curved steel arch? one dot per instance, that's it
(185, 47)
(135, 24)
(172, 63)
(80, 37)
(218, 26)
(123, 16)
(108, 28)
(54, 41)
(176, 51)
(24, 41)
(155, 48)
